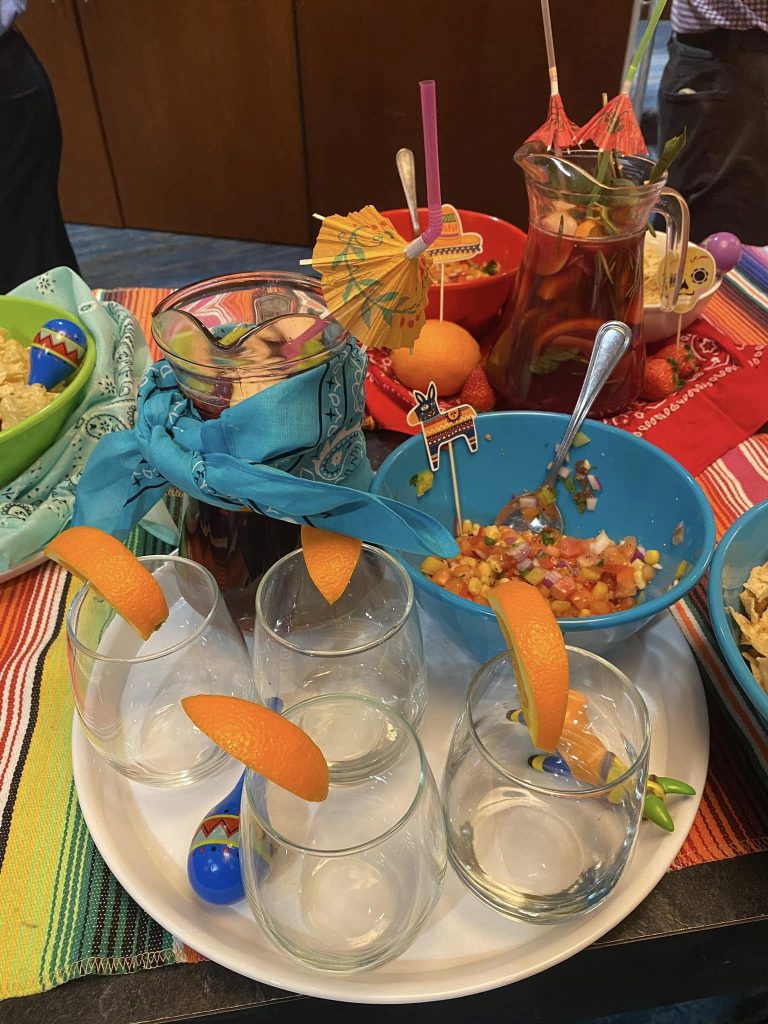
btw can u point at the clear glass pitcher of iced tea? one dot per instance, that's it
(583, 265)
(226, 339)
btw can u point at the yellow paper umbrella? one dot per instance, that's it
(370, 285)
(374, 282)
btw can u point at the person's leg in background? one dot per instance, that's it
(32, 233)
(716, 86)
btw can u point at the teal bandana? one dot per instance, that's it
(294, 451)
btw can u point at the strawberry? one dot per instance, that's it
(661, 379)
(682, 356)
(478, 392)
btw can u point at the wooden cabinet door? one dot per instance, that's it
(200, 104)
(86, 182)
(361, 64)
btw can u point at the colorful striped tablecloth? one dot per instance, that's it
(63, 913)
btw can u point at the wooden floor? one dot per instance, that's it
(125, 257)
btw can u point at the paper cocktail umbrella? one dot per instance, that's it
(557, 132)
(375, 284)
(615, 126)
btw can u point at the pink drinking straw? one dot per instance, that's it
(434, 202)
(432, 160)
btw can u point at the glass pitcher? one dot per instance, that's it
(583, 265)
(228, 338)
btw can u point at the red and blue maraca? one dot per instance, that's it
(56, 352)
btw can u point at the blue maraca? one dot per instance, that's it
(213, 862)
(56, 352)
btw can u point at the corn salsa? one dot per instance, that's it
(579, 577)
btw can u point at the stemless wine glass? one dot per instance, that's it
(369, 641)
(346, 884)
(128, 691)
(543, 838)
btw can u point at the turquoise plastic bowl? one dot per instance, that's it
(743, 547)
(646, 493)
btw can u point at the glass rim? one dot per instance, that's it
(369, 844)
(345, 652)
(79, 597)
(239, 281)
(590, 789)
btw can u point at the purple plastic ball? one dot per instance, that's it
(725, 249)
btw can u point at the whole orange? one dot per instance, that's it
(443, 352)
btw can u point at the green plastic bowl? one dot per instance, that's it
(22, 444)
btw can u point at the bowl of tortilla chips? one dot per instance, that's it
(31, 418)
(738, 603)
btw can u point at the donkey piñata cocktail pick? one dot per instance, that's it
(440, 429)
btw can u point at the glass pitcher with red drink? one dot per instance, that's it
(583, 265)
(227, 339)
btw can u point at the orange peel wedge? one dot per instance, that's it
(537, 646)
(264, 741)
(115, 573)
(331, 558)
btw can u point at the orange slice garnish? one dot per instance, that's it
(264, 741)
(538, 649)
(114, 573)
(331, 559)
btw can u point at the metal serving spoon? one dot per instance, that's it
(406, 168)
(611, 342)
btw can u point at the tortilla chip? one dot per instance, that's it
(759, 667)
(14, 362)
(22, 402)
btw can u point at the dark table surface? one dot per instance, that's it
(702, 932)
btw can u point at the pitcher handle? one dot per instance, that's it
(674, 209)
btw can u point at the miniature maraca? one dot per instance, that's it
(213, 862)
(56, 352)
(725, 248)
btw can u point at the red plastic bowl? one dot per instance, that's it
(474, 304)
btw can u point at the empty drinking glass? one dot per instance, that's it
(540, 838)
(346, 884)
(128, 691)
(369, 641)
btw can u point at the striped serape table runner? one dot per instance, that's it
(63, 913)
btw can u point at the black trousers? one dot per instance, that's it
(716, 86)
(32, 233)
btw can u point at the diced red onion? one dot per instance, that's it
(520, 551)
(594, 483)
(591, 503)
(525, 564)
(639, 553)
(562, 564)
(551, 578)
(528, 501)
(678, 534)
(564, 472)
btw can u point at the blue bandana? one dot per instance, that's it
(294, 451)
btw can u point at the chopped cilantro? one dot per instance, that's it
(547, 538)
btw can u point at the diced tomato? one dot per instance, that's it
(613, 568)
(571, 547)
(582, 599)
(563, 589)
(625, 582)
(625, 603)
(628, 547)
(458, 587)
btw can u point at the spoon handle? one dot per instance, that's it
(611, 342)
(406, 167)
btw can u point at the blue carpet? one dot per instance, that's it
(126, 257)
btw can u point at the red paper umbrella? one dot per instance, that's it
(557, 132)
(615, 127)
